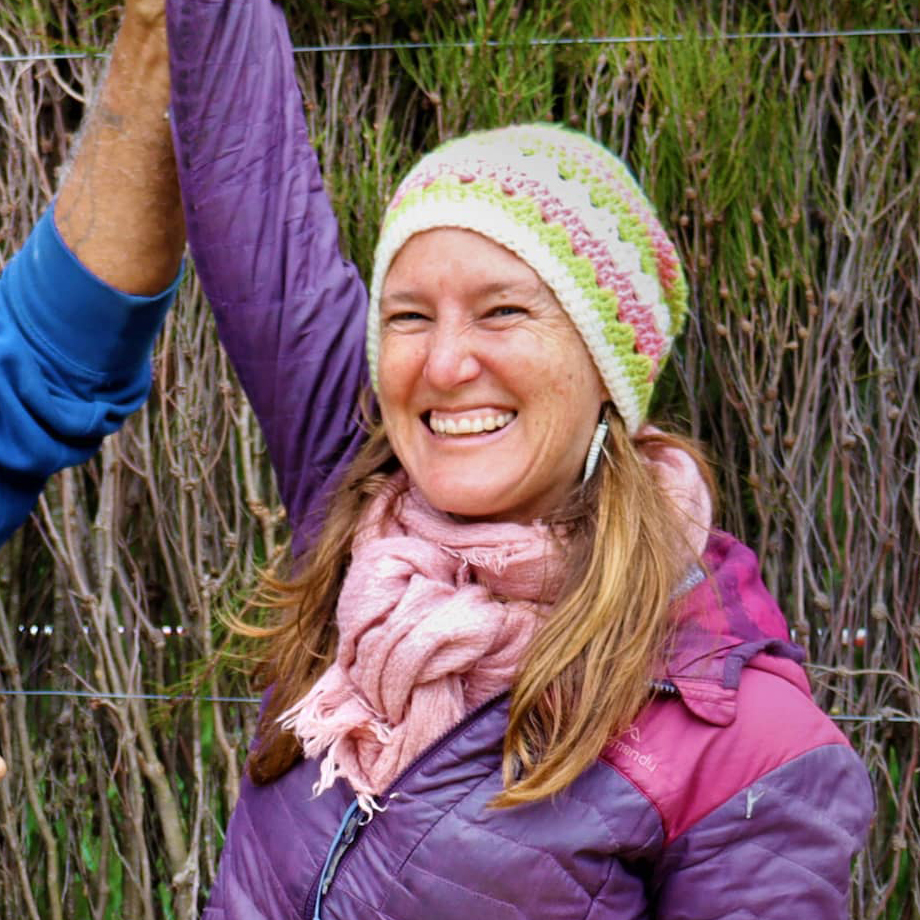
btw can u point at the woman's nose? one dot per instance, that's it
(451, 360)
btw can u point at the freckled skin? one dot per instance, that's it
(467, 326)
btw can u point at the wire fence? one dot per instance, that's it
(784, 162)
(255, 700)
(559, 41)
(878, 717)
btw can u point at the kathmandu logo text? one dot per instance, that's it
(628, 751)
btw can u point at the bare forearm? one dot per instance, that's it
(119, 209)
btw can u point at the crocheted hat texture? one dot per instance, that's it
(572, 211)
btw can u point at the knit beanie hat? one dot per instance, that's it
(571, 210)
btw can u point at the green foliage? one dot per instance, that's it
(484, 69)
(786, 171)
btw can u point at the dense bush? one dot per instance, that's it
(786, 168)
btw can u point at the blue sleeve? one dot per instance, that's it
(74, 363)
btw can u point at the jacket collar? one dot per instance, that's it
(727, 622)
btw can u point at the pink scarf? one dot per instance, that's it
(434, 617)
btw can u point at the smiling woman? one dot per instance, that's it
(487, 392)
(516, 672)
(463, 332)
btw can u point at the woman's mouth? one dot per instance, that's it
(474, 421)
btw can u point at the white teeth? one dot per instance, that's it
(470, 426)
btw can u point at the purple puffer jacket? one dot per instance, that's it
(731, 796)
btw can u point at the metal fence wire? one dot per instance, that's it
(553, 41)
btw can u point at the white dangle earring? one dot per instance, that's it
(594, 450)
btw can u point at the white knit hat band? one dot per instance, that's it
(439, 211)
(570, 210)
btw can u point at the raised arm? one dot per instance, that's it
(290, 311)
(82, 302)
(119, 210)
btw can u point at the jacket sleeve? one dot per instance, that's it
(74, 363)
(290, 311)
(779, 848)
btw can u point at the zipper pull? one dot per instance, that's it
(359, 814)
(356, 819)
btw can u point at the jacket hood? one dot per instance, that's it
(727, 622)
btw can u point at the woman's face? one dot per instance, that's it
(488, 394)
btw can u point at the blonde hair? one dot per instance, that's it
(587, 672)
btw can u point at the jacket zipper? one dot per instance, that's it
(354, 819)
(342, 840)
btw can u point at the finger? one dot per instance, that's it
(2, 768)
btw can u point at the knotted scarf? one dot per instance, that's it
(434, 617)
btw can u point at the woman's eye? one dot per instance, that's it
(406, 316)
(506, 311)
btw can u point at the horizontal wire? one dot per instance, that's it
(878, 717)
(511, 43)
(605, 40)
(164, 697)
(51, 56)
(184, 698)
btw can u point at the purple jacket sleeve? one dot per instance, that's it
(780, 848)
(290, 311)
